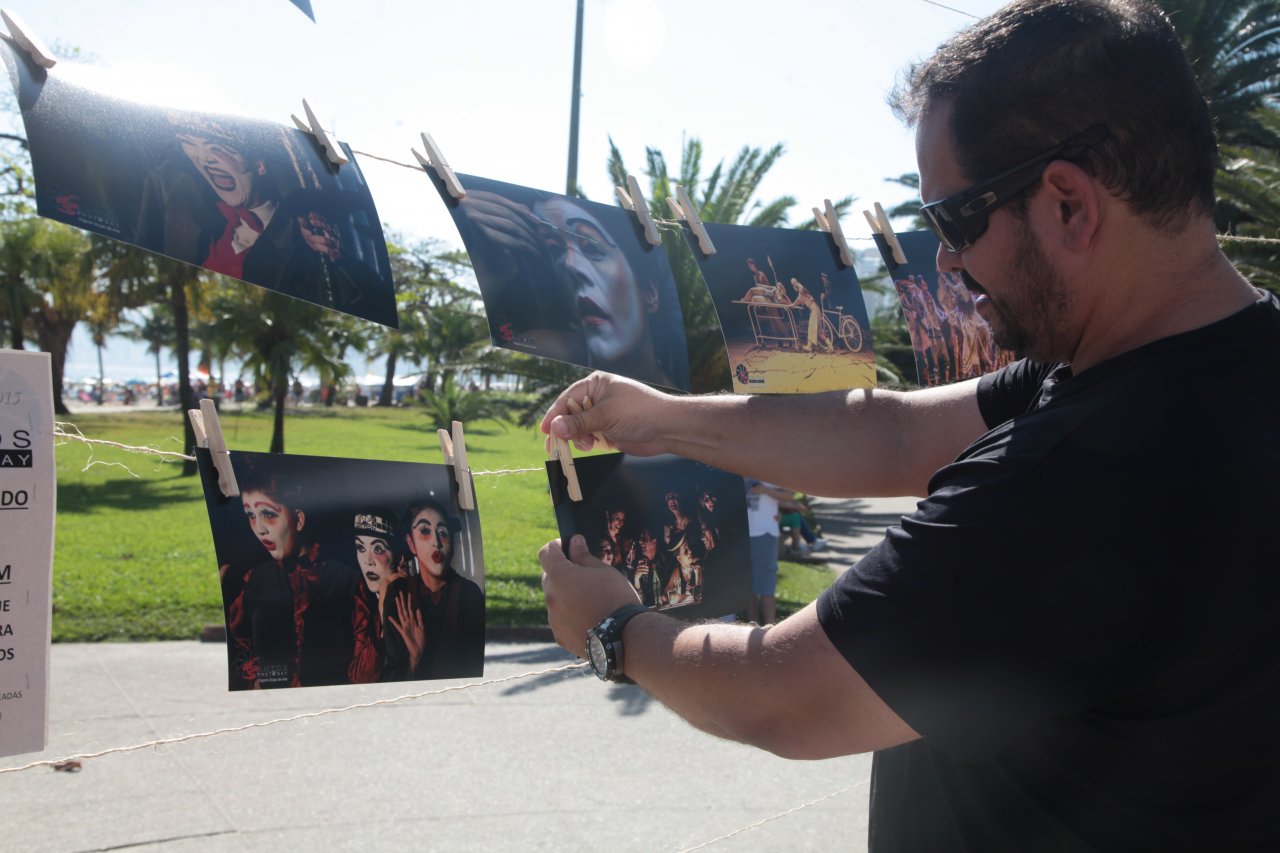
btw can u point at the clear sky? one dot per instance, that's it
(491, 81)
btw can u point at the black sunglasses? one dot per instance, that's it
(959, 220)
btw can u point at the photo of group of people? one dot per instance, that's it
(248, 199)
(676, 529)
(572, 280)
(345, 571)
(950, 339)
(793, 319)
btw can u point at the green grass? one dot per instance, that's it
(134, 559)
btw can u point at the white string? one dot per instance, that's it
(60, 432)
(307, 716)
(762, 822)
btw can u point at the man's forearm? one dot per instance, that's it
(841, 444)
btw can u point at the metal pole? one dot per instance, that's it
(571, 184)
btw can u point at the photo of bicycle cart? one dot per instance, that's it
(775, 324)
(793, 317)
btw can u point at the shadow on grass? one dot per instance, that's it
(127, 494)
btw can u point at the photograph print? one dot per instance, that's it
(793, 318)
(676, 529)
(572, 280)
(950, 339)
(345, 571)
(248, 199)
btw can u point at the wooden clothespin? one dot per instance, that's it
(880, 225)
(435, 162)
(208, 430)
(577, 408)
(560, 450)
(830, 223)
(634, 201)
(28, 40)
(455, 454)
(312, 125)
(685, 210)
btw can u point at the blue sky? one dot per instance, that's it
(491, 80)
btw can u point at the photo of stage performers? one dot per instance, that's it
(951, 341)
(793, 318)
(676, 529)
(572, 280)
(345, 571)
(249, 199)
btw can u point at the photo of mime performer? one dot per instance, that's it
(345, 571)
(1071, 642)
(298, 618)
(573, 280)
(253, 201)
(439, 612)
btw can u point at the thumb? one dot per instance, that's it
(572, 427)
(578, 551)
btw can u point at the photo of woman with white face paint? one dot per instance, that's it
(345, 571)
(573, 280)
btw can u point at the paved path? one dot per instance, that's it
(551, 762)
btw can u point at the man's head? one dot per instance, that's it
(1038, 73)
(1046, 131)
(220, 157)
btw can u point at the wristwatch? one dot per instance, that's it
(604, 643)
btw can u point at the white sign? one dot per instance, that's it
(28, 499)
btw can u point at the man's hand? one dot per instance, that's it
(624, 412)
(580, 591)
(319, 236)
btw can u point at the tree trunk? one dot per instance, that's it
(279, 390)
(159, 381)
(180, 274)
(102, 390)
(386, 398)
(53, 334)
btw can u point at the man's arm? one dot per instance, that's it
(860, 443)
(783, 688)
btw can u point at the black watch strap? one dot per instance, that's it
(610, 633)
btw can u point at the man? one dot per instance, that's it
(1072, 644)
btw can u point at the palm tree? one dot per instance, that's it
(1234, 47)
(278, 337)
(155, 328)
(451, 402)
(724, 196)
(1249, 185)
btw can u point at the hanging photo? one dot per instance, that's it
(793, 318)
(676, 529)
(248, 199)
(572, 280)
(345, 571)
(951, 341)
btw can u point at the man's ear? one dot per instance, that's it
(1077, 200)
(300, 519)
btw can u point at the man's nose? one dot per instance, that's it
(948, 261)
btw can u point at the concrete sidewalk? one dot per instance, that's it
(546, 762)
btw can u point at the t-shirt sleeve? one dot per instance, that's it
(1010, 391)
(982, 613)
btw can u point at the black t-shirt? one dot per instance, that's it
(1082, 620)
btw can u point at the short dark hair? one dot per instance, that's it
(1037, 72)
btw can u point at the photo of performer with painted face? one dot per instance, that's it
(328, 584)
(573, 280)
(248, 199)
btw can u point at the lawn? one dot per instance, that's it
(134, 559)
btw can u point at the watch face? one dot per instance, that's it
(595, 653)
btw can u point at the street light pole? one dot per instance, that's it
(571, 184)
